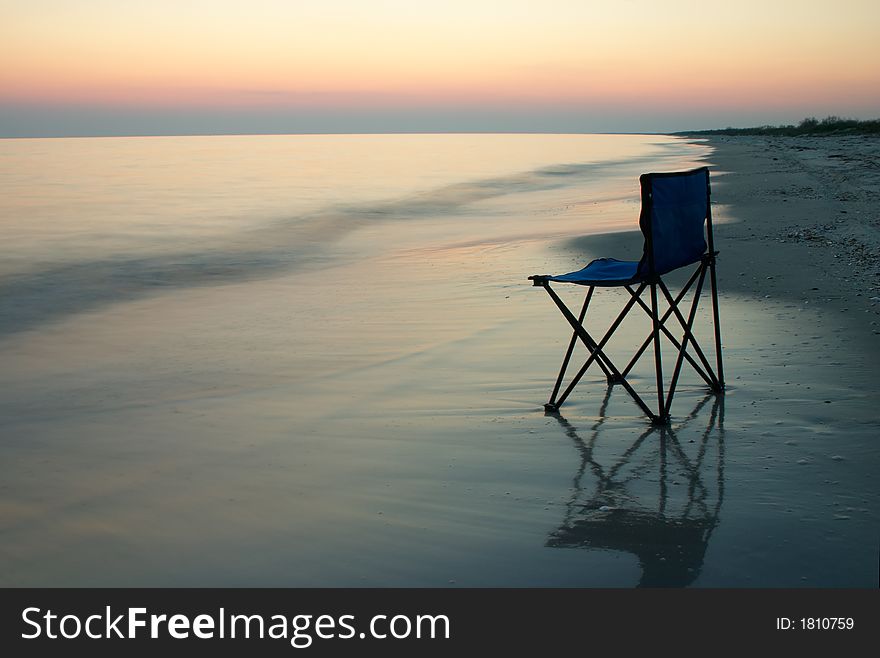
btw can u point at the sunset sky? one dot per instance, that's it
(92, 67)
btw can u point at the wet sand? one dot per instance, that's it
(381, 423)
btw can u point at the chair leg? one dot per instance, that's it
(595, 350)
(688, 336)
(552, 404)
(713, 383)
(613, 375)
(661, 418)
(706, 374)
(715, 320)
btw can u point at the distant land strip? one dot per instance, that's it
(808, 127)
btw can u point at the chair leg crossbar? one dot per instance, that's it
(596, 348)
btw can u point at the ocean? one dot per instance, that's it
(91, 222)
(301, 359)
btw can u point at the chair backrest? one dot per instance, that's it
(675, 208)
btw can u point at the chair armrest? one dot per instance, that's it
(539, 279)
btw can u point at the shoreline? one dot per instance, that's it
(796, 218)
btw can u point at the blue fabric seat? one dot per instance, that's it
(603, 272)
(676, 221)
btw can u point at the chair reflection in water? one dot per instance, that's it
(666, 520)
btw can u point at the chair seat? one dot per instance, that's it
(603, 272)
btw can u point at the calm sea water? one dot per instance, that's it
(92, 221)
(316, 360)
(305, 360)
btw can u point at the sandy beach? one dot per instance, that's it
(380, 423)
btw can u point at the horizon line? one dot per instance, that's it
(350, 133)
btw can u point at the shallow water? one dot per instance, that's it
(201, 408)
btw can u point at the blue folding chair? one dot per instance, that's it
(676, 220)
